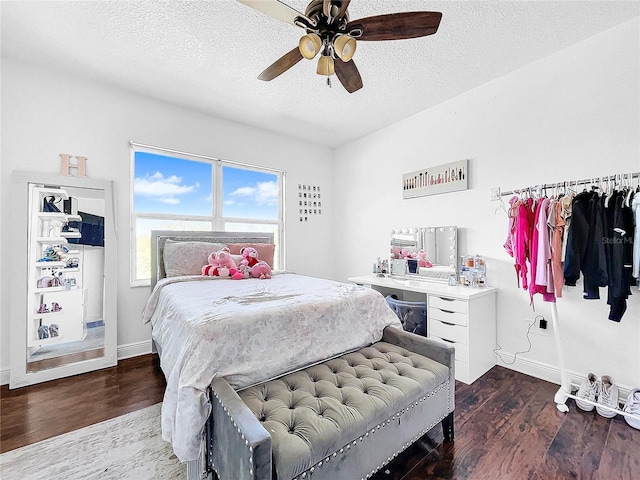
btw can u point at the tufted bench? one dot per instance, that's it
(344, 418)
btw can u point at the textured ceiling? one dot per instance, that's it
(206, 55)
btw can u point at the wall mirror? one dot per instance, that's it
(430, 253)
(63, 310)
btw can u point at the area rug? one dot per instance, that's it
(126, 447)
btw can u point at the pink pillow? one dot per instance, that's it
(265, 250)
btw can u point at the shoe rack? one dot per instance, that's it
(60, 301)
(564, 392)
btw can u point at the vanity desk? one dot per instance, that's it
(462, 316)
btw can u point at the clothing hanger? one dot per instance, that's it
(610, 192)
(502, 207)
(627, 200)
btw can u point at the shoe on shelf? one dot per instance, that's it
(632, 406)
(607, 396)
(588, 391)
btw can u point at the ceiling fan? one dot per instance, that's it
(334, 36)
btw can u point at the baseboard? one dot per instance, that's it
(124, 351)
(134, 349)
(548, 372)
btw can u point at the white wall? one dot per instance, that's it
(45, 113)
(572, 115)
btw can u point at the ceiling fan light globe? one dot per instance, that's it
(325, 66)
(310, 45)
(345, 47)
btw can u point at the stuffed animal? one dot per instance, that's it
(261, 270)
(244, 270)
(395, 252)
(222, 265)
(422, 259)
(249, 256)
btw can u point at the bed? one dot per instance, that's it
(217, 335)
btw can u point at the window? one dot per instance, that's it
(178, 191)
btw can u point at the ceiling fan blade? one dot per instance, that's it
(344, 4)
(348, 74)
(281, 65)
(326, 8)
(341, 6)
(275, 9)
(396, 26)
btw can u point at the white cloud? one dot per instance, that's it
(264, 193)
(162, 189)
(169, 200)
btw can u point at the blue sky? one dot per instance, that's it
(172, 185)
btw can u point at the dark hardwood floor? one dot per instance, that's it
(506, 426)
(31, 414)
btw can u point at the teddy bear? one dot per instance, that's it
(261, 270)
(422, 259)
(249, 256)
(222, 265)
(244, 270)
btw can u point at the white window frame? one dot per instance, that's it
(216, 218)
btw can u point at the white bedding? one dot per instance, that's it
(249, 331)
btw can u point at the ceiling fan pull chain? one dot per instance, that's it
(329, 81)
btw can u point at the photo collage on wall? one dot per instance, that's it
(309, 201)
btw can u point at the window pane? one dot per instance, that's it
(249, 194)
(143, 239)
(171, 185)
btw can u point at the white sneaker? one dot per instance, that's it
(608, 395)
(588, 391)
(633, 407)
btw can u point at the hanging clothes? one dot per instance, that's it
(557, 241)
(585, 248)
(511, 232)
(523, 240)
(619, 231)
(540, 254)
(557, 226)
(635, 208)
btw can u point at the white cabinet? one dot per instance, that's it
(55, 295)
(470, 326)
(464, 317)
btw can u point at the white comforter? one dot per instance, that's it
(249, 331)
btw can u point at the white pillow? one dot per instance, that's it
(187, 258)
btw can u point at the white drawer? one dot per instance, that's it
(448, 304)
(448, 316)
(462, 350)
(446, 331)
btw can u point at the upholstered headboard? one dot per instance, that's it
(159, 240)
